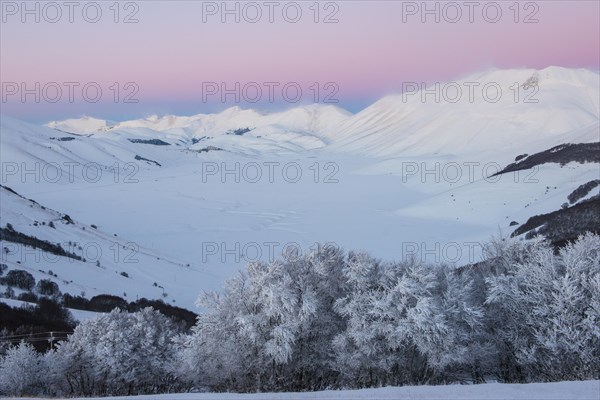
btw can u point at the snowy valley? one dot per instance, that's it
(187, 201)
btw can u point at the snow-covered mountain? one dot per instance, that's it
(492, 112)
(215, 191)
(315, 118)
(464, 118)
(296, 129)
(83, 125)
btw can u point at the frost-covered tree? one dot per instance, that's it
(363, 355)
(116, 354)
(466, 352)
(528, 312)
(548, 305)
(216, 355)
(321, 283)
(23, 372)
(407, 323)
(271, 328)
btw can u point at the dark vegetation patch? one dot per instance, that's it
(9, 234)
(106, 303)
(179, 315)
(198, 140)
(238, 132)
(140, 158)
(18, 278)
(582, 191)
(520, 157)
(10, 190)
(564, 225)
(33, 323)
(46, 287)
(156, 142)
(209, 148)
(561, 154)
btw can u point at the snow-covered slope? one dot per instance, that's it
(480, 121)
(107, 264)
(81, 125)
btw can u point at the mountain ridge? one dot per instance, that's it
(533, 106)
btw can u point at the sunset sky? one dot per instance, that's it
(177, 48)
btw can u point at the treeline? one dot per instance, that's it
(331, 319)
(106, 303)
(50, 314)
(9, 234)
(30, 322)
(47, 295)
(116, 353)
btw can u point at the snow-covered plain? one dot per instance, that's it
(585, 390)
(401, 178)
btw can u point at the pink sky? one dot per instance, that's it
(368, 53)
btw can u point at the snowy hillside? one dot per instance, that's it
(83, 125)
(99, 262)
(472, 117)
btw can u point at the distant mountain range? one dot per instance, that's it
(497, 110)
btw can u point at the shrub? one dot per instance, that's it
(76, 302)
(22, 371)
(28, 297)
(19, 279)
(46, 287)
(107, 303)
(9, 293)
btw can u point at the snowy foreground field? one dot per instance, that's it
(493, 391)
